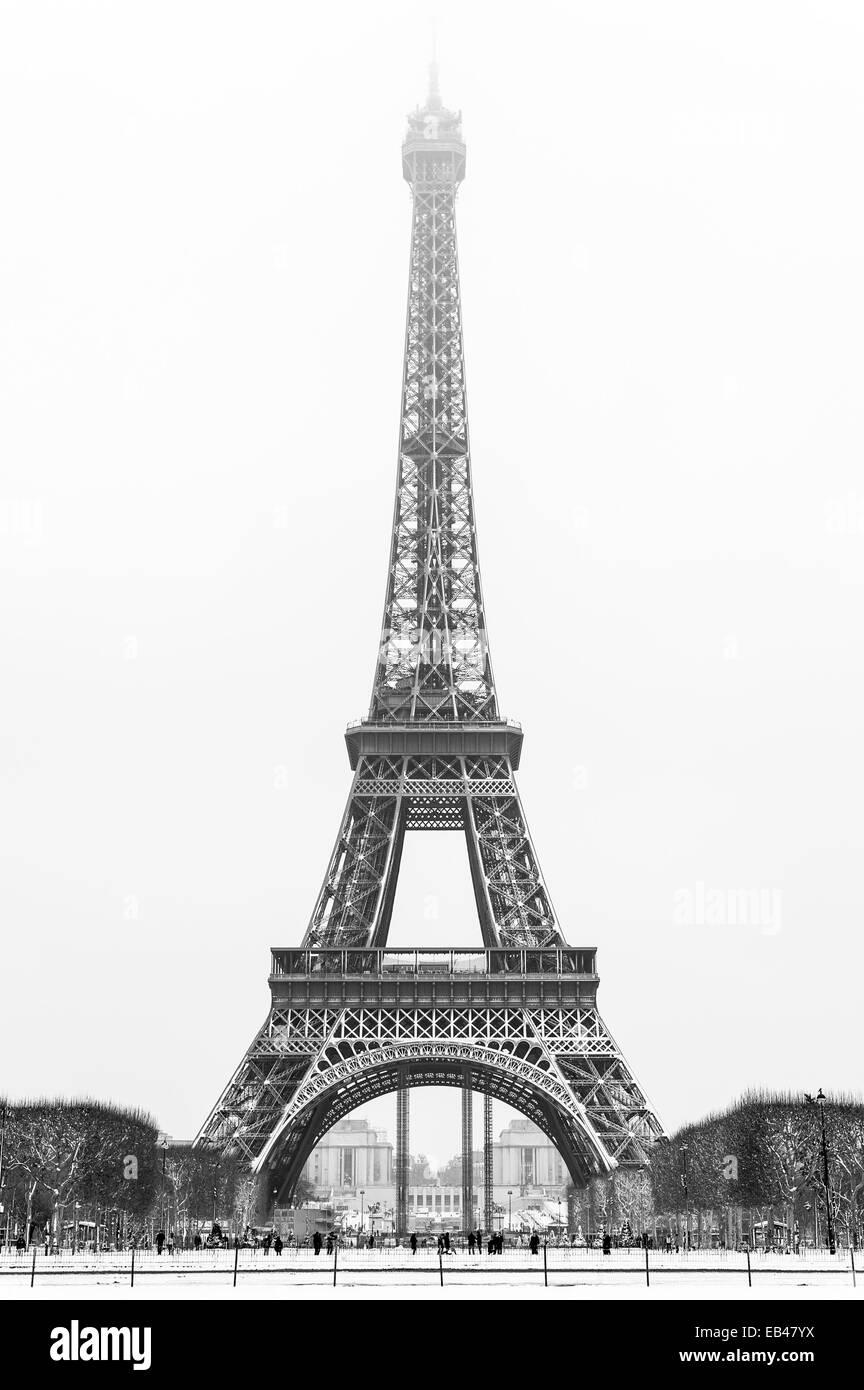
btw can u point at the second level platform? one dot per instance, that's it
(442, 738)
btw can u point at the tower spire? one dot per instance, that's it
(433, 100)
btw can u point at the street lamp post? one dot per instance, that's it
(510, 1210)
(856, 1236)
(686, 1200)
(164, 1147)
(362, 1195)
(215, 1187)
(820, 1100)
(57, 1234)
(2, 1144)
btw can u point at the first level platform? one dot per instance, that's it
(383, 978)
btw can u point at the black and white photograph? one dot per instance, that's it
(431, 855)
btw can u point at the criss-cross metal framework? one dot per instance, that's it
(347, 1021)
(467, 1154)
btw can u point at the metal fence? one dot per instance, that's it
(428, 960)
(231, 1265)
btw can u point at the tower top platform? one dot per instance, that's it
(433, 149)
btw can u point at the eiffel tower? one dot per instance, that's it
(350, 1019)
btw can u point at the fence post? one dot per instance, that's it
(33, 1268)
(132, 1280)
(749, 1276)
(236, 1258)
(440, 1266)
(545, 1271)
(647, 1275)
(335, 1258)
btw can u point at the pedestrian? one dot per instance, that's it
(316, 1242)
(197, 1241)
(490, 1248)
(607, 1243)
(371, 1240)
(277, 1244)
(413, 1242)
(20, 1245)
(160, 1241)
(479, 1241)
(329, 1243)
(534, 1243)
(470, 1242)
(446, 1242)
(170, 1242)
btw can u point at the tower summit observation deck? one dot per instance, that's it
(350, 1018)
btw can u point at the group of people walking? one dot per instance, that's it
(494, 1244)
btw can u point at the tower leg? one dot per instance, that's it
(402, 1160)
(356, 899)
(467, 1159)
(488, 1213)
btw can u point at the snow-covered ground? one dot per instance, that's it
(515, 1268)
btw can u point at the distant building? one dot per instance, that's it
(436, 1202)
(354, 1156)
(526, 1161)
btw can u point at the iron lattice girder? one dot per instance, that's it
(403, 1155)
(391, 795)
(467, 1152)
(434, 753)
(434, 660)
(308, 1067)
(488, 1166)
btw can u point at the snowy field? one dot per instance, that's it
(724, 1271)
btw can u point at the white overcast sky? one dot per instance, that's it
(203, 254)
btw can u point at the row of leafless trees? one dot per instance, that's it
(763, 1157)
(65, 1162)
(201, 1187)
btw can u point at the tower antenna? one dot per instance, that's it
(433, 101)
